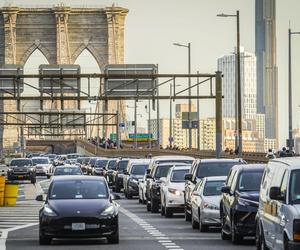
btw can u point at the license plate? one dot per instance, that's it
(78, 226)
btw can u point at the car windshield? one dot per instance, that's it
(213, 188)
(92, 161)
(67, 171)
(111, 164)
(250, 181)
(162, 171)
(207, 169)
(78, 189)
(295, 187)
(122, 165)
(80, 160)
(21, 163)
(178, 175)
(139, 169)
(40, 161)
(101, 163)
(86, 161)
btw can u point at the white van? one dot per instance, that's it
(278, 217)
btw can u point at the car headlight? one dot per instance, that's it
(48, 211)
(174, 191)
(210, 206)
(110, 210)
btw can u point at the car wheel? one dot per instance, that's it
(187, 216)
(43, 240)
(33, 180)
(114, 238)
(235, 237)
(195, 224)
(162, 211)
(148, 206)
(168, 212)
(202, 227)
(260, 239)
(285, 243)
(140, 200)
(129, 196)
(48, 176)
(154, 206)
(224, 236)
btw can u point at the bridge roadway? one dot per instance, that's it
(84, 147)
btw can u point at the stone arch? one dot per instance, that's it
(95, 53)
(34, 47)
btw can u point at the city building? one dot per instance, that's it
(227, 65)
(267, 80)
(164, 125)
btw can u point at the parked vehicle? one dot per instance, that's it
(42, 166)
(100, 166)
(278, 217)
(205, 203)
(134, 172)
(21, 169)
(78, 207)
(172, 191)
(239, 202)
(205, 168)
(118, 175)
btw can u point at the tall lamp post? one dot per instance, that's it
(149, 118)
(290, 142)
(239, 95)
(188, 46)
(172, 87)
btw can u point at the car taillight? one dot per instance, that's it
(296, 230)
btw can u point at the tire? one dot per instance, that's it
(202, 227)
(140, 201)
(235, 237)
(43, 240)
(260, 239)
(195, 224)
(187, 216)
(285, 243)
(224, 236)
(163, 211)
(168, 212)
(148, 206)
(114, 238)
(129, 196)
(154, 206)
(33, 180)
(48, 176)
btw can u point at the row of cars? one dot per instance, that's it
(243, 200)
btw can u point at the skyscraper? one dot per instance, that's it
(265, 49)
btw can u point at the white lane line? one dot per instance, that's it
(160, 237)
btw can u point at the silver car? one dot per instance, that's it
(205, 202)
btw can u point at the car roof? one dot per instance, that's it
(292, 162)
(175, 164)
(215, 178)
(183, 167)
(134, 161)
(250, 167)
(77, 177)
(68, 166)
(221, 160)
(22, 159)
(40, 157)
(172, 157)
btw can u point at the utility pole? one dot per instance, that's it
(198, 114)
(135, 124)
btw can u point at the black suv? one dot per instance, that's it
(21, 169)
(118, 174)
(239, 202)
(153, 185)
(205, 168)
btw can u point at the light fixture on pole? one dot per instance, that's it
(239, 147)
(188, 46)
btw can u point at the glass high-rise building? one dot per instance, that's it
(265, 50)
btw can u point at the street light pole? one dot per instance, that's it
(171, 122)
(135, 124)
(290, 143)
(149, 118)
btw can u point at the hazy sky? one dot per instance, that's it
(153, 25)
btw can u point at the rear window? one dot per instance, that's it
(111, 164)
(92, 161)
(250, 181)
(208, 169)
(122, 165)
(162, 171)
(139, 169)
(213, 188)
(40, 161)
(101, 163)
(78, 189)
(178, 175)
(67, 171)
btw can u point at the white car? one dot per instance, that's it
(42, 166)
(172, 190)
(206, 202)
(142, 189)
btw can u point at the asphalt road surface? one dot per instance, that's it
(139, 230)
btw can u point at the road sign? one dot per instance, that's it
(129, 86)
(186, 124)
(59, 84)
(9, 85)
(140, 136)
(113, 137)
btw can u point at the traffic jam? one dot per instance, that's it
(236, 199)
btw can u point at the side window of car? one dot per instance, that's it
(230, 177)
(284, 183)
(197, 164)
(233, 183)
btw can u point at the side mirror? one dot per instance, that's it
(275, 194)
(149, 176)
(39, 197)
(226, 190)
(7, 165)
(188, 177)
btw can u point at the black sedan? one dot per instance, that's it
(78, 207)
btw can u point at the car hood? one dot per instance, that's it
(85, 207)
(252, 196)
(42, 165)
(179, 186)
(215, 200)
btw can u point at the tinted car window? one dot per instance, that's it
(162, 171)
(75, 189)
(295, 187)
(101, 163)
(122, 165)
(21, 163)
(213, 188)
(178, 175)
(80, 160)
(208, 169)
(111, 164)
(250, 181)
(67, 171)
(86, 160)
(92, 161)
(40, 161)
(139, 169)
